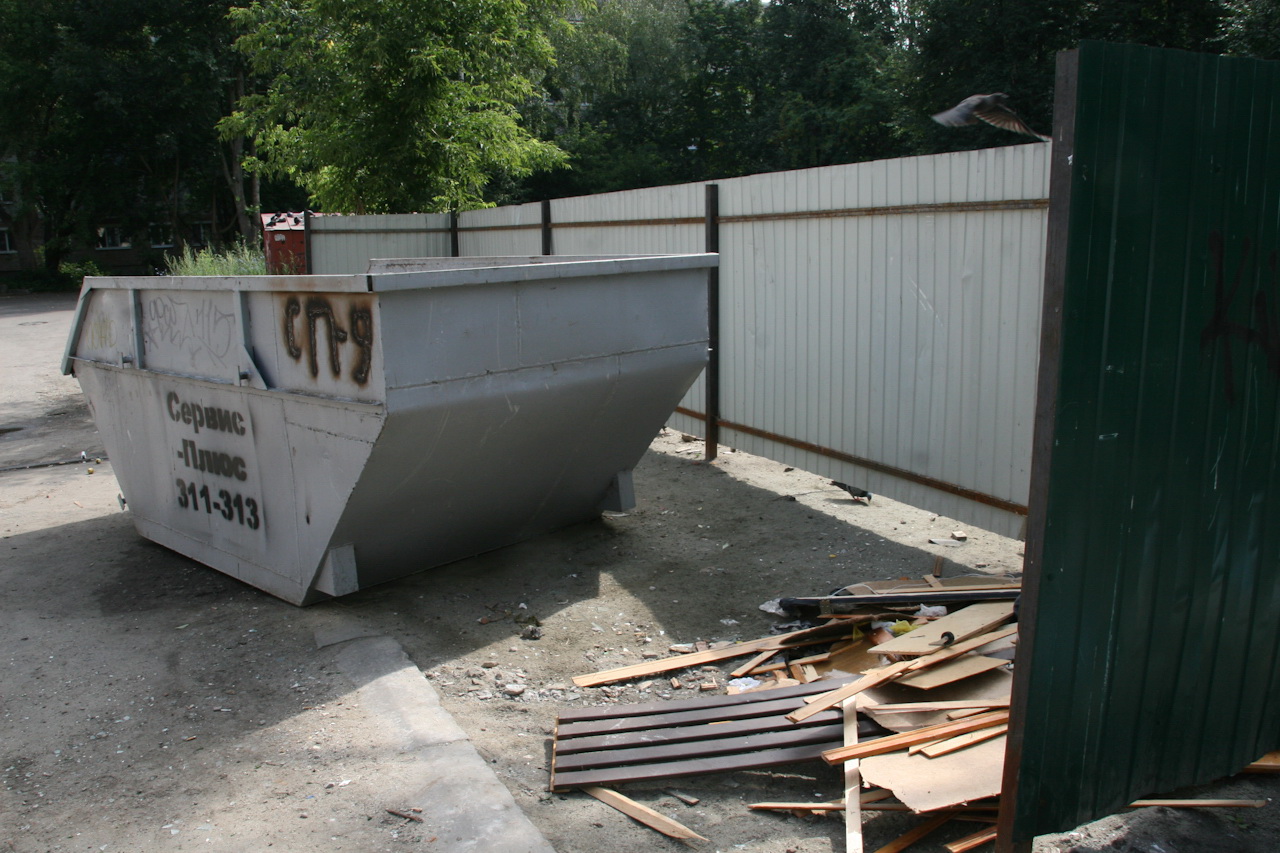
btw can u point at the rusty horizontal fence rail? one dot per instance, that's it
(869, 464)
(835, 213)
(372, 232)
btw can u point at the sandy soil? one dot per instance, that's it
(148, 703)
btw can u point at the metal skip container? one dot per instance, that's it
(315, 435)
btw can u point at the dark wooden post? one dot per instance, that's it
(453, 233)
(306, 242)
(546, 227)
(712, 406)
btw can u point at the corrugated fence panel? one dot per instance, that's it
(346, 244)
(657, 220)
(514, 230)
(879, 321)
(887, 314)
(1153, 550)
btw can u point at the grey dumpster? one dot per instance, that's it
(314, 435)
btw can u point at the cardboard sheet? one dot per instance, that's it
(925, 784)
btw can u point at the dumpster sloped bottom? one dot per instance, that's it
(493, 460)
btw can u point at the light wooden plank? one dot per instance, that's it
(852, 782)
(952, 671)
(792, 640)
(756, 661)
(1269, 763)
(928, 707)
(833, 806)
(835, 697)
(873, 678)
(896, 742)
(853, 659)
(956, 649)
(970, 842)
(905, 840)
(962, 624)
(642, 813)
(963, 741)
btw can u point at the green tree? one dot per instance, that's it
(394, 105)
(109, 113)
(828, 63)
(618, 99)
(1252, 28)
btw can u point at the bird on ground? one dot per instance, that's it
(993, 109)
(854, 492)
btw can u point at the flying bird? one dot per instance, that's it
(854, 492)
(993, 109)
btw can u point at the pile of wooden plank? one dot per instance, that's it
(806, 711)
(917, 721)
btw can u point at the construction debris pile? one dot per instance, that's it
(905, 684)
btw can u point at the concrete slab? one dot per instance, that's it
(430, 763)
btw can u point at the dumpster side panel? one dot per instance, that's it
(471, 465)
(249, 483)
(591, 317)
(192, 333)
(432, 335)
(106, 335)
(189, 456)
(438, 334)
(327, 344)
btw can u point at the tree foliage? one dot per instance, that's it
(113, 108)
(394, 105)
(679, 90)
(108, 111)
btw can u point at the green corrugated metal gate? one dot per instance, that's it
(1152, 607)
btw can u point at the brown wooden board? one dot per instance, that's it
(678, 734)
(792, 736)
(692, 767)
(707, 734)
(682, 718)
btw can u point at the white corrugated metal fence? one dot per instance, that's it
(879, 322)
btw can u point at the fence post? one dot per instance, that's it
(546, 227)
(306, 242)
(712, 405)
(453, 233)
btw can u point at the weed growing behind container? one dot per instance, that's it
(239, 259)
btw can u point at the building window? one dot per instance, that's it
(113, 237)
(201, 233)
(161, 234)
(6, 243)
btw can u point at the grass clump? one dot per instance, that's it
(239, 259)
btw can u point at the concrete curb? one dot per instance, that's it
(430, 763)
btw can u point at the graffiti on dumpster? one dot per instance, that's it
(199, 326)
(1262, 329)
(313, 323)
(195, 494)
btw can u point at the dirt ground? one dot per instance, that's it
(149, 703)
